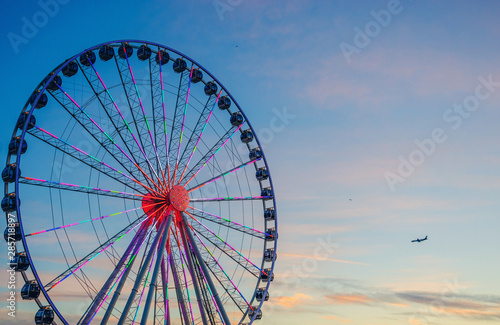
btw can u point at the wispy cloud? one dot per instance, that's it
(336, 318)
(292, 301)
(348, 299)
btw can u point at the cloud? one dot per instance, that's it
(337, 318)
(466, 306)
(349, 299)
(292, 301)
(487, 314)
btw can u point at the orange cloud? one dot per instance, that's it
(345, 299)
(337, 318)
(397, 304)
(413, 321)
(289, 302)
(465, 311)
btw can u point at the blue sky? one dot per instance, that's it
(348, 123)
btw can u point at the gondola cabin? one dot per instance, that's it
(54, 84)
(14, 145)
(106, 52)
(20, 262)
(88, 58)
(21, 120)
(261, 294)
(210, 88)
(44, 316)
(269, 255)
(246, 136)
(262, 174)
(267, 191)
(125, 51)
(224, 102)
(179, 65)
(255, 154)
(251, 313)
(162, 57)
(42, 101)
(13, 232)
(9, 202)
(30, 290)
(266, 275)
(144, 52)
(236, 119)
(9, 173)
(271, 234)
(70, 69)
(269, 214)
(197, 76)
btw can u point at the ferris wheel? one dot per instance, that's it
(146, 196)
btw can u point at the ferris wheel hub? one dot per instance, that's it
(179, 198)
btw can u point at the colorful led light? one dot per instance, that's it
(85, 221)
(222, 240)
(227, 220)
(234, 198)
(80, 186)
(213, 155)
(222, 175)
(199, 137)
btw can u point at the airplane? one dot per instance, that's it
(419, 240)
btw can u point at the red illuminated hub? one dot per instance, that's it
(155, 206)
(179, 198)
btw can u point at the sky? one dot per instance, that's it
(379, 120)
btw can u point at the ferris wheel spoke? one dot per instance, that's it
(208, 300)
(209, 155)
(156, 270)
(221, 275)
(82, 262)
(197, 133)
(224, 247)
(180, 282)
(84, 221)
(213, 179)
(117, 119)
(148, 148)
(122, 279)
(234, 198)
(91, 161)
(131, 250)
(195, 278)
(158, 108)
(165, 318)
(227, 223)
(146, 282)
(208, 278)
(94, 129)
(159, 111)
(177, 132)
(162, 232)
(79, 188)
